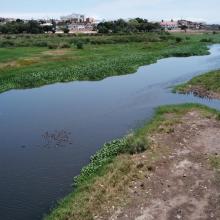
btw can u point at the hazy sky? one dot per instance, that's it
(204, 10)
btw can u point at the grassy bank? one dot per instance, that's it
(103, 184)
(206, 85)
(27, 61)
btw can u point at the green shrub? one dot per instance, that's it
(8, 37)
(136, 144)
(206, 40)
(52, 46)
(40, 44)
(79, 45)
(130, 144)
(179, 39)
(66, 30)
(65, 45)
(104, 156)
(163, 37)
(7, 43)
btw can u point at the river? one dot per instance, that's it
(48, 134)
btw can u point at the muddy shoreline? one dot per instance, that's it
(176, 175)
(200, 92)
(182, 184)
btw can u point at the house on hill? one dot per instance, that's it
(169, 25)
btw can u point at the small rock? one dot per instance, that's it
(150, 168)
(178, 216)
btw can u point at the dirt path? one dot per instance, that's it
(181, 184)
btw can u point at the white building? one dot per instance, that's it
(169, 25)
(74, 17)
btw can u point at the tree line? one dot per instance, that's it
(118, 26)
(31, 27)
(130, 26)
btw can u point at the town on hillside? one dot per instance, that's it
(79, 23)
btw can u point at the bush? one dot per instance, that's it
(8, 37)
(79, 45)
(7, 43)
(52, 46)
(65, 45)
(206, 40)
(66, 30)
(136, 144)
(178, 39)
(163, 38)
(104, 156)
(40, 44)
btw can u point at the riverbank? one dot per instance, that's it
(205, 86)
(166, 162)
(27, 61)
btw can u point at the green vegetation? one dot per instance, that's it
(28, 61)
(131, 26)
(19, 26)
(209, 82)
(12, 54)
(215, 161)
(108, 152)
(103, 182)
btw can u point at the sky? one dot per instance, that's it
(153, 10)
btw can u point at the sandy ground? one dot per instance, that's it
(181, 184)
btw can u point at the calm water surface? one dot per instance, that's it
(48, 134)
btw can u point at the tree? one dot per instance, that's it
(33, 27)
(183, 27)
(47, 28)
(66, 30)
(122, 26)
(133, 25)
(54, 26)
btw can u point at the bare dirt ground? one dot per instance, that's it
(57, 52)
(202, 92)
(19, 63)
(181, 184)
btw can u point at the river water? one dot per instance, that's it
(48, 134)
